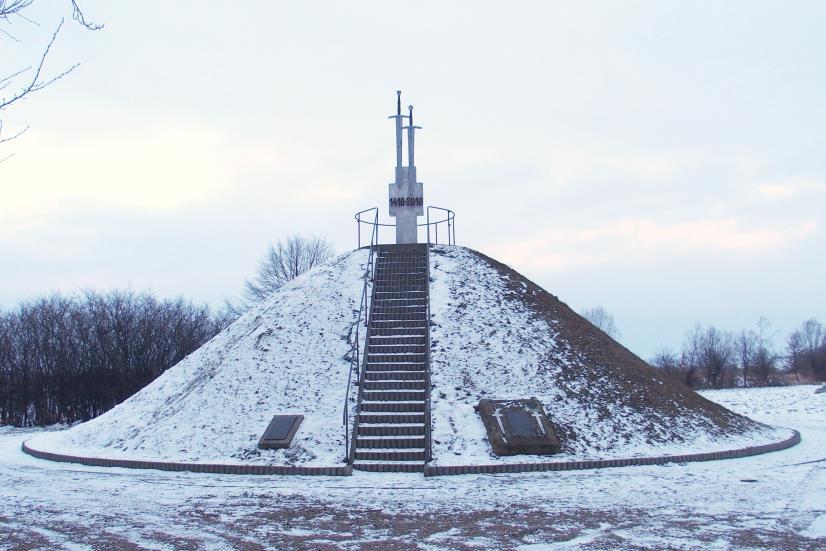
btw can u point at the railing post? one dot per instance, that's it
(428, 226)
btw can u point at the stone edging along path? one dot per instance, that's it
(215, 468)
(605, 463)
(347, 470)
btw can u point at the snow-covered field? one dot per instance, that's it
(772, 501)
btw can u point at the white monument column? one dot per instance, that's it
(406, 197)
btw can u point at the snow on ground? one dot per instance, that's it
(286, 355)
(489, 343)
(773, 501)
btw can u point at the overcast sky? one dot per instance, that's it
(662, 159)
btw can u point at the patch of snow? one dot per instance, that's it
(817, 529)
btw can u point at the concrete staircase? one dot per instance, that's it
(392, 430)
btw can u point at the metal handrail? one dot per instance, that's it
(428, 445)
(449, 219)
(373, 223)
(369, 273)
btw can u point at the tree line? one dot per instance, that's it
(71, 358)
(714, 358)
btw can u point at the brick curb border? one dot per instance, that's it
(213, 468)
(347, 470)
(605, 463)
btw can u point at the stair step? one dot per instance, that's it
(393, 395)
(402, 340)
(401, 275)
(399, 287)
(399, 303)
(394, 366)
(394, 384)
(414, 309)
(412, 268)
(373, 358)
(398, 295)
(389, 466)
(392, 407)
(402, 329)
(407, 273)
(394, 375)
(416, 326)
(378, 418)
(412, 316)
(390, 454)
(387, 344)
(399, 349)
(389, 442)
(413, 429)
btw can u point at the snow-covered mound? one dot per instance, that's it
(497, 335)
(494, 335)
(286, 355)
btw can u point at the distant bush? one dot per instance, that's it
(66, 359)
(711, 358)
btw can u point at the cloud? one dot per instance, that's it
(644, 238)
(575, 162)
(155, 167)
(792, 187)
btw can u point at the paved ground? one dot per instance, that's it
(772, 501)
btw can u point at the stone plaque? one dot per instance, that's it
(280, 431)
(520, 423)
(518, 427)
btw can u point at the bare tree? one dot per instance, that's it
(710, 354)
(692, 356)
(718, 356)
(669, 363)
(285, 260)
(794, 349)
(812, 339)
(746, 349)
(603, 320)
(24, 81)
(764, 360)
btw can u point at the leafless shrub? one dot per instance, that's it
(285, 260)
(603, 320)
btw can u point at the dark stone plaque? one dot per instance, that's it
(280, 431)
(520, 423)
(518, 427)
